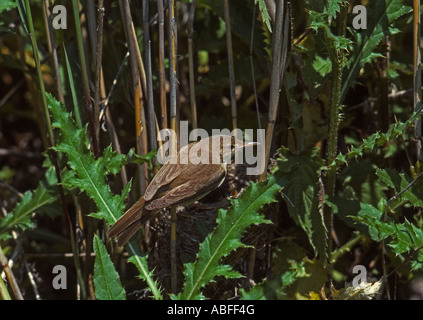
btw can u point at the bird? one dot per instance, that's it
(196, 170)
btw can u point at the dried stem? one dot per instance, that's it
(149, 79)
(134, 57)
(161, 18)
(279, 51)
(10, 277)
(173, 138)
(52, 50)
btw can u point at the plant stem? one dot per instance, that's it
(231, 64)
(279, 48)
(173, 137)
(192, 81)
(345, 248)
(92, 118)
(138, 77)
(337, 57)
(52, 50)
(149, 89)
(417, 78)
(10, 277)
(53, 155)
(161, 19)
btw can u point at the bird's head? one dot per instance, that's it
(229, 146)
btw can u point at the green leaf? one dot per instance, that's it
(274, 288)
(303, 174)
(42, 200)
(399, 182)
(231, 224)
(133, 157)
(90, 177)
(377, 139)
(401, 237)
(106, 280)
(322, 66)
(381, 15)
(90, 173)
(264, 13)
(6, 5)
(333, 6)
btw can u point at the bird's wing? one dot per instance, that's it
(165, 176)
(168, 172)
(195, 182)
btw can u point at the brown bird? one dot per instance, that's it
(191, 174)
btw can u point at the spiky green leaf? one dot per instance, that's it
(333, 7)
(90, 173)
(90, 177)
(304, 191)
(322, 66)
(106, 280)
(399, 182)
(401, 237)
(231, 224)
(376, 140)
(264, 13)
(42, 200)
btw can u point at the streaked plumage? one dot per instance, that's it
(177, 183)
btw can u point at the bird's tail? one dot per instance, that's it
(129, 223)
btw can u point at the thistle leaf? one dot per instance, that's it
(90, 177)
(401, 237)
(303, 189)
(333, 7)
(42, 200)
(90, 173)
(322, 66)
(106, 280)
(376, 140)
(231, 224)
(399, 182)
(264, 13)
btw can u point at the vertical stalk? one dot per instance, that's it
(4, 294)
(172, 75)
(161, 18)
(52, 50)
(149, 78)
(31, 35)
(98, 60)
(279, 48)
(337, 57)
(173, 137)
(231, 65)
(252, 68)
(417, 78)
(10, 277)
(192, 81)
(85, 82)
(137, 77)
